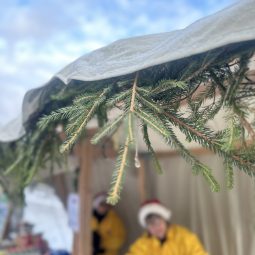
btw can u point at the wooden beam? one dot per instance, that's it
(173, 153)
(194, 151)
(85, 194)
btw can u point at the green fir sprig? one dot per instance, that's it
(183, 96)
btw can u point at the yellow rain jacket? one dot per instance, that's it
(179, 241)
(111, 231)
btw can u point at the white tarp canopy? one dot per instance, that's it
(231, 27)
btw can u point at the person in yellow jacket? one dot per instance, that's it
(108, 229)
(161, 237)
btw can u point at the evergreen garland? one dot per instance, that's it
(155, 97)
(37, 150)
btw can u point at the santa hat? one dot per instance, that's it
(98, 199)
(153, 207)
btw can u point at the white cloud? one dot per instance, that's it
(38, 38)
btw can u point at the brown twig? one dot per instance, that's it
(248, 127)
(132, 105)
(203, 136)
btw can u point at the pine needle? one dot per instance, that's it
(150, 149)
(132, 103)
(229, 174)
(118, 98)
(13, 166)
(76, 134)
(207, 173)
(148, 103)
(130, 127)
(107, 129)
(118, 175)
(197, 166)
(152, 121)
(60, 114)
(83, 99)
(36, 165)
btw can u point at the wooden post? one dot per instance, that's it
(141, 181)
(7, 222)
(59, 183)
(85, 194)
(75, 244)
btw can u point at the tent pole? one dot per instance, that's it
(84, 240)
(141, 181)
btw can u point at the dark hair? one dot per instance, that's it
(150, 217)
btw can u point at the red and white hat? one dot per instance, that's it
(153, 207)
(98, 199)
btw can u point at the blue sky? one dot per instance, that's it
(39, 37)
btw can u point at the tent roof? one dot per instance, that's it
(232, 26)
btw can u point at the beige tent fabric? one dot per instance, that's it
(224, 221)
(127, 208)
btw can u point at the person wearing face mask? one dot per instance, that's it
(108, 229)
(162, 237)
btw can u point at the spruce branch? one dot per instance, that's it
(74, 122)
(130, 127)
(164, 85)
(191, 74)
(132, 103)
(197, 166)
(232, 134)
(151, 150)
(148, 103)
(152, 121)
(239, 76)
(107, 129)
(58, 115)
(102, 117)
(14, 166)
(218, 82)
(73, 138)
(83, 99)
(156, 103)
(188, 127)
(118, 98)
(248, 127)
(229, 174)
(36, 165)
(207, 173)
(143, 90)
(214, 145)
(118, 175)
